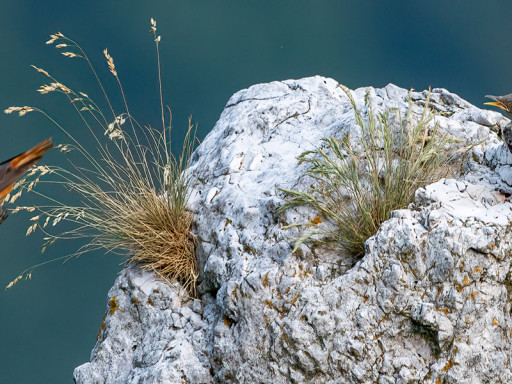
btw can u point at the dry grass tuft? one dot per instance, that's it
(357, 185)
(131, 190)
(165, 243)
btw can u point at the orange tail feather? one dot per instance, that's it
(32, 155)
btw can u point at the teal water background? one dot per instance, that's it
(210, 49)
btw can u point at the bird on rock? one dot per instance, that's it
(11, 170)
(505, 103)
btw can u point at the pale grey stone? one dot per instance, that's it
(429, 302)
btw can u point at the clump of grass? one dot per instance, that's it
(132, 190)
(357, 184)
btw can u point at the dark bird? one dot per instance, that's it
(11, 170)
(505, 103)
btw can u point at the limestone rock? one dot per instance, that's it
(149, 335)
(429, 302)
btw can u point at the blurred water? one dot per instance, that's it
(210, 49)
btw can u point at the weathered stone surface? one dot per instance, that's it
(149, 335)
(430, 302)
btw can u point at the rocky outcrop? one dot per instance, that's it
(430, 302)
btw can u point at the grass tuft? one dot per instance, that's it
(129, 191)
(357, 184)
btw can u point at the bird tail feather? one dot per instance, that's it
(32, 155)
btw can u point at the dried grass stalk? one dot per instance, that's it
(357, 185)
(132, 190)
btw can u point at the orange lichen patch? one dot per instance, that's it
(445, 311)
(150, 302)
(294, 299)
(102, 328)
(477, 270)
(438, 381)
(495, 322)
(317, 220)
(448, 365)
(459, 287)
(264, 281)
(270, 304)
(113, 305)
(365, 299)
(134, 301)
(474, 295)
(227, 322)
(285, 337)
(465, 281)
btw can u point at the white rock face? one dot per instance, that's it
(148, 335)
(430, 302)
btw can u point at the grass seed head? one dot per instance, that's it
(110, 62)
(132, 192)
(357, 184)
(40, 70)
(22, 111)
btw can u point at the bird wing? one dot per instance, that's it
(12, 169)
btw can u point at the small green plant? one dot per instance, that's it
(132, 190)
(357, 185)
